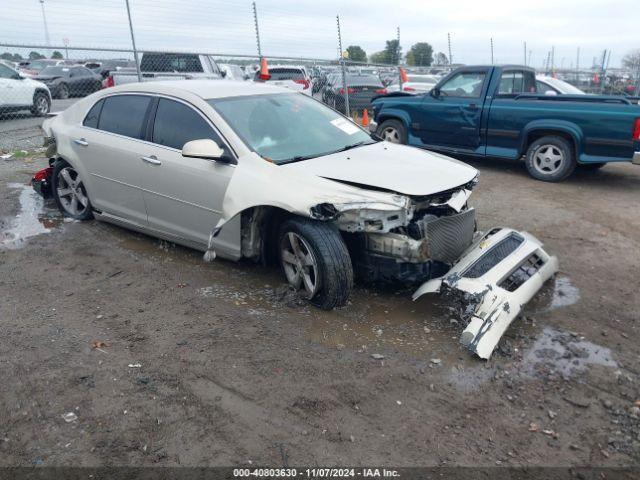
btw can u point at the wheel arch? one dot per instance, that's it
(567, 130)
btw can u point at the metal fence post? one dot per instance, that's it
(344, 70)
(398, 60)
(133, 42)
(255, 21)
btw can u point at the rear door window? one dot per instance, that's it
(176, 124)
(124, 115)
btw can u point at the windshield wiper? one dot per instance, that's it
(308, 157)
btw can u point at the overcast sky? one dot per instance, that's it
(308, 27)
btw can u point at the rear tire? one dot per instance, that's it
(41, 104)
(550, 159)
(393, 131)
(69, 192)
(320, 265)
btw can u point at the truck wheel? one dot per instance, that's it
(69, 192)
(550, 159)
(41, 104)
(316, 261)
(392, 131)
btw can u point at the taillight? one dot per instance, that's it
(108, 82)
(302, 81)
(409, 89)
(44, 174)
(382, 91)
(349, 90)
(636, 130)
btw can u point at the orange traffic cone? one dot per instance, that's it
(365, 118)
(403, 75)
(264, 70)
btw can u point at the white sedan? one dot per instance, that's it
(555, 86)
(416, 84)
(248, 170)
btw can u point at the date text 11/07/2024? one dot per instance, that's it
(316, 472)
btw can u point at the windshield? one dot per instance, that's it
(37, 65)
(564, 87)
(417, 79)
(288, 127)
(54, 71)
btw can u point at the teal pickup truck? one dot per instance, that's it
(490, 111)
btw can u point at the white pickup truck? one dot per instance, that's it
(168, 66)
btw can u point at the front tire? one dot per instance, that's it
(392, 131)
(63, 91)
(550, 159)
(316, 261)
(70, 193)
(41, 104)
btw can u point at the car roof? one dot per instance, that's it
(205, 89)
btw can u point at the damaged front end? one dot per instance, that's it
(495, 278)
(410, 241)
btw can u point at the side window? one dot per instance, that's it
(91, 120)
(176, 124)
(6, 72)
(124, 115)
(464, 84)
(515, 82)
(544, 88)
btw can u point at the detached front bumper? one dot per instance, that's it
(496, 277)
(636, 158)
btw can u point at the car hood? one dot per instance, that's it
(391, 167)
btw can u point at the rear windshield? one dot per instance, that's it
(54, 71)
(284, 74)
(363, 81)
(170, 62)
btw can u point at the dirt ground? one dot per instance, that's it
(218, 364)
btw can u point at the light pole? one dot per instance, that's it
(46, 28)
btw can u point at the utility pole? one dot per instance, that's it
(46, 27)
(529, 59)
(450, 56)
(578, 60)
(603, 70)
(491, 40)
(525, 54)
(344, 70)
(553, 59)
(133, 42)
(398, 63)
(255, 21)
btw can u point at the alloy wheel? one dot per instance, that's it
(548, 159)
(71, 192)
(300, 265)
(390, 134)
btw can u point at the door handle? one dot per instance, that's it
(81, 141)
(473, 106)
(152, 160)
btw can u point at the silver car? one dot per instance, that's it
(248, 170)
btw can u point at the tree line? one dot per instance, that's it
(16, 57)
(420, 55)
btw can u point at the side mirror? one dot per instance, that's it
(17, 76)
(206, 149)
(551, 92)
(435, 92)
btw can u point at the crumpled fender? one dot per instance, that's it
(492, 307)
(258, 182)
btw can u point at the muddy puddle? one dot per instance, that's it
(565, 353)
(34, 218)
(558, 292)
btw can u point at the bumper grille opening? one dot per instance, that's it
(523, 273)
(494, 256)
